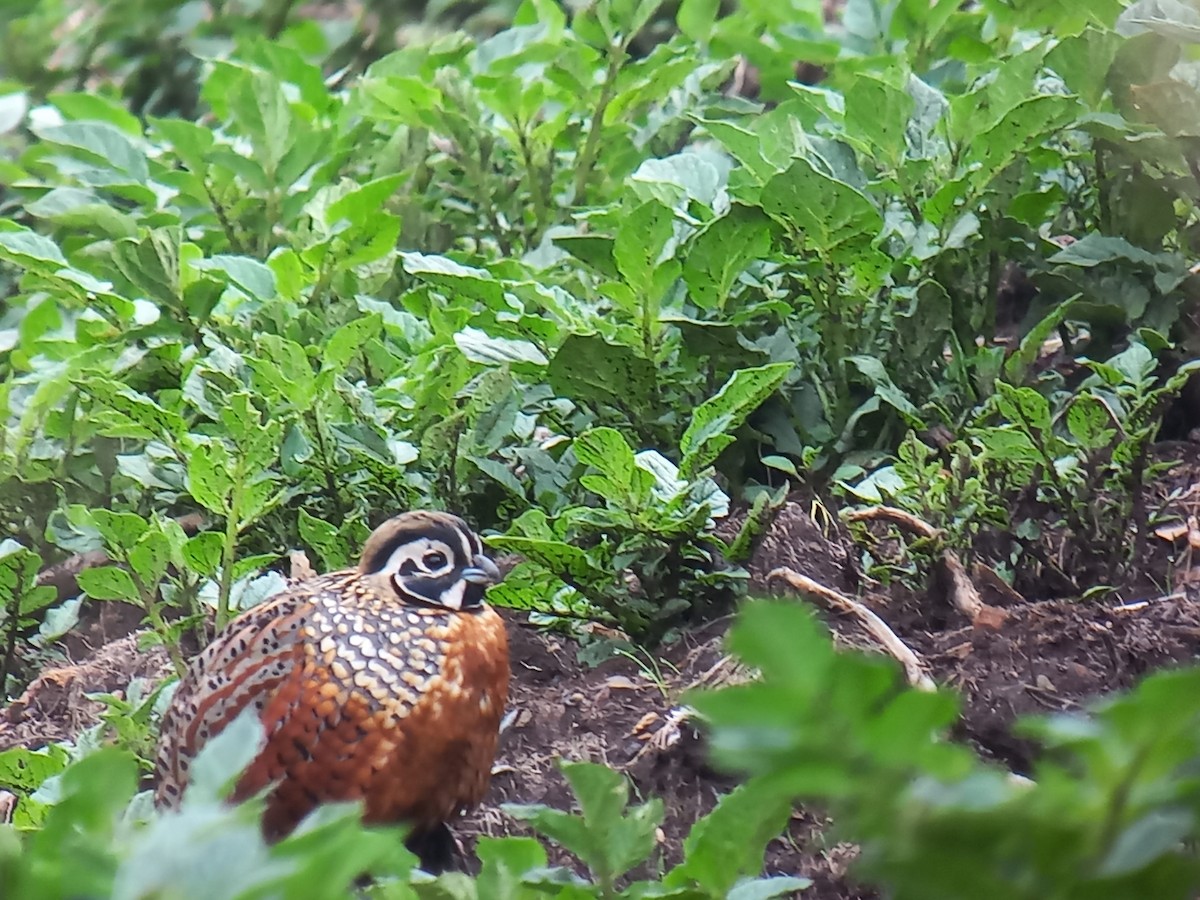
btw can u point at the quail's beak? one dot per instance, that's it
(484, 571)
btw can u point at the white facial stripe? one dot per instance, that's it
(452, 597)
(415, 552)
(467, 553)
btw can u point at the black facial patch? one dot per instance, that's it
(408, 567)
(444, 531)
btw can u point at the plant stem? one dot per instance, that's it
(591, 145)
(540, 201)
(278, 18)
(150, 606)
(10, 644)
(229, 551)
(335, 496)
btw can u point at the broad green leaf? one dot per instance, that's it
(120, 530)
(873, 370)
(105, 144)
(284, 368)
(202, 552)
(728, 843)
(323, 537)
(251, 276)
(826, 212)
(878, 113)
(621, 481)
(31, 250)
(152, 265)
(564, 560)
(1024, 407)
(25, 770)
(260, 108)
(1017, 366)
(210, 478)
(720, 253)
(97, 107)
(150, 556)
(365, 203)
(221, 760)
(137, 407)
(696, 18)
(589, 369)
(454, 277)
(1090, 422)
(347, 341)
(109, 583)
(1020, 130)
(710, 429)
(607, 836)
(480, 347)
(640, 242)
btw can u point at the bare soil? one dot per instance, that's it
(1049, 653)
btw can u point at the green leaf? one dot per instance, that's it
(709, 431)
(97, 107)
(885, 388)
(251, 276)
(152, 265)
(1090, 422)
(1024, 407)
(26, 770)
(1018, 365)
(365, 202)
(605, 837)
(567, 562)
(202, 552)
(720, 253)
(284, 368)
(589, 369)
(136, 407)
(1020, 130)
(260, 108)
(120, 530)
(453, 277)
(826, 212)
(216, 767)
(480, 347)
(150, 557)
(878, 112)
(209, 477)
(347, 342)
(640, 241)
(622, 481)
(109, 583)
(104, 143)
(31, 250)
(696, 18)
(729, 842)
(325, 539)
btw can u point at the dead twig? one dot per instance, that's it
(914, 667)
(960, 589)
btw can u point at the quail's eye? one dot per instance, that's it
(434, 560)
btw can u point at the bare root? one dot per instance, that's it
(960, 588)
(914, 667)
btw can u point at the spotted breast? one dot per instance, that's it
(384, 683)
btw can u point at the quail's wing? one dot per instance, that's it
(244, 666)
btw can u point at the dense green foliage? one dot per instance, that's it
(568, 278)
